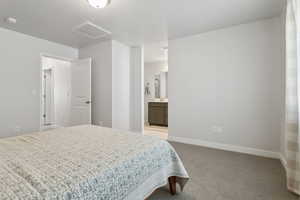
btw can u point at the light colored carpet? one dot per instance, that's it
(221, 175)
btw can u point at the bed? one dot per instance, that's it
(87, 162)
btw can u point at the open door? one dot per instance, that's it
(81, 92)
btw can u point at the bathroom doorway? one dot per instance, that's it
(156, 90)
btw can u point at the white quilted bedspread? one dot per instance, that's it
(85, 162)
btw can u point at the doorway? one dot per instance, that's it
(48, 100)
(65, 92)
(156, 90)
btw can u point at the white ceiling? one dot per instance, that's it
(154, 52)
(133, 22)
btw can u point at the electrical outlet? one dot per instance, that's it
(17, 129)
(101, 123)
(217, 129)
(34, 92)
(220, 129)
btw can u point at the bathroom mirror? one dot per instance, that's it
(157, 86)
(161, 85)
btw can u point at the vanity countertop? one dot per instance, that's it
(159, 101)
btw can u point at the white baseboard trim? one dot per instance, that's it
(226, 147)
(283, 161)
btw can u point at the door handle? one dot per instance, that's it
(88, 102)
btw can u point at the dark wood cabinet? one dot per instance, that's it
(158, 113)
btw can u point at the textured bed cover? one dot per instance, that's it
(86, 162)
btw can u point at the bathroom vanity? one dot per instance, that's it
(158, 113)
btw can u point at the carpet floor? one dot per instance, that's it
(222, 175)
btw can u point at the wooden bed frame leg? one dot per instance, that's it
(172, 185)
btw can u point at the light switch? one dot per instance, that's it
(33, 92)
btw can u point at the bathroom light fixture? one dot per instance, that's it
(99, 3)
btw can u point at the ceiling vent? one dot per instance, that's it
(92, 31)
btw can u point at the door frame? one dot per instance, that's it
(51, 98)
(47, 55)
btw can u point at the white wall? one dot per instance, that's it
(101, 55)
(20, 76)
(233, 79)
(110, 83)
(120, 86)
(152, 69)
(282, 139)
(136, 89)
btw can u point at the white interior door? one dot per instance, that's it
(81, 92)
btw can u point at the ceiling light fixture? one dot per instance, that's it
(99, 3)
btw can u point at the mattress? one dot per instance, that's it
(86, 162)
